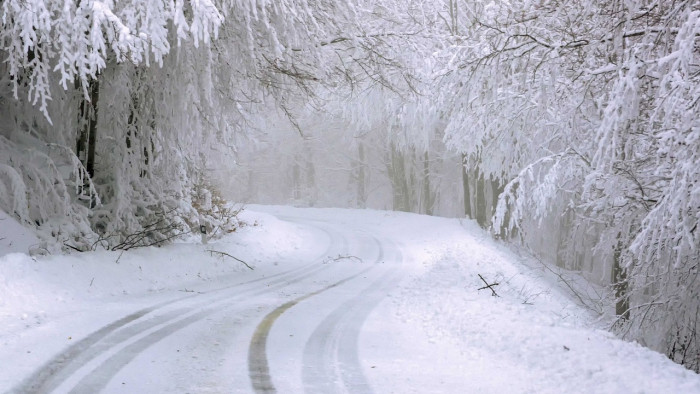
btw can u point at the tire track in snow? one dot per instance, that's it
(63, 366)
(258, 368)
(316, 355)
(331, 361)
(66, 364)
(136, 340)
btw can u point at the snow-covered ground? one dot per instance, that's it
(338, 301)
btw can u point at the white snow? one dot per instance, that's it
(433, 332)
(15, 238)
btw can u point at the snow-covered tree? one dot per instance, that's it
(573, 124)
(131, 102)
(586, 112)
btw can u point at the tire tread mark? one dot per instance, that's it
(335, 342)
(100, 376)
(37, 382)
(258, 367)
(60, 367)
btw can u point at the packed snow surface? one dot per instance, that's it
(337, 301)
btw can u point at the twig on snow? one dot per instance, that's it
(228, 255)
(341, 257)
(488, 286)
(73, 247)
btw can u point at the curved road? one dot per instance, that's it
(294, 331)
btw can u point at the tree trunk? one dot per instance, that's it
(497, 190)
(296, 179)
(361, 186)
(87, 132)
(399, 184)
(310, 178)
(480, 201)
(563, 239)
(427, 192)
(465, 188)
(619, 278)
(94, 89)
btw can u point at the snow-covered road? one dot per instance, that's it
(339, 301)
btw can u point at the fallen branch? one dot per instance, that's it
(228, 255)
(72, 247)
(144, 237)
(120, 256)
(488, 286)
(340, 257)
(572, 289)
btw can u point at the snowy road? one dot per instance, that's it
(311, 313)
(363, 302)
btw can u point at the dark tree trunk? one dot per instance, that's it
(94, 89)
(87, 134)
(87, 125)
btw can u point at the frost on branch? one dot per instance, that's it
(76, 38)
(587, 111)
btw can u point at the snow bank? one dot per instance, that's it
(535, 336)
(34, 290)
(14, 237)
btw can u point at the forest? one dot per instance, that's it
(568, 128)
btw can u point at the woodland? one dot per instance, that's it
(568, 128)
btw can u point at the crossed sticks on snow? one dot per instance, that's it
(488, 286)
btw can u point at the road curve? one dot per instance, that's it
(93, 360)
(258, 368)
(333, 294)
(331, 362)
(329, 355)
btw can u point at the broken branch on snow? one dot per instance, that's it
(228, 255)
(488, 286)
